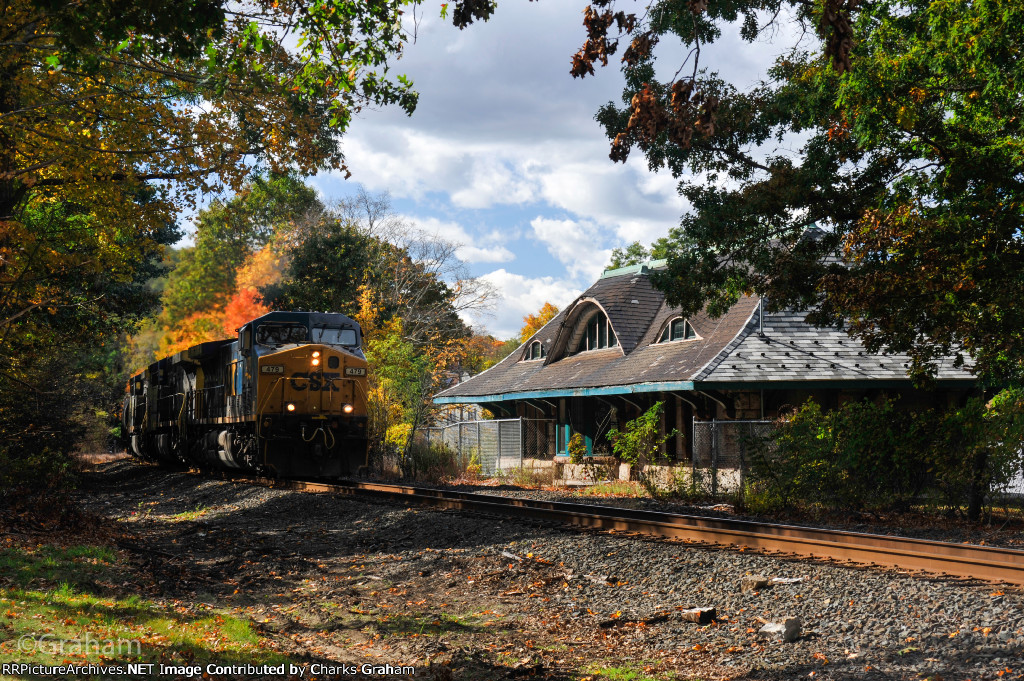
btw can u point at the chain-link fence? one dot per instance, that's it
(1013, 489)
(496, 445)
(722, 451)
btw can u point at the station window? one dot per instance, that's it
(536, 351)
(598, 334)
(677, 330)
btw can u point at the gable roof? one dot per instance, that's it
(733, 351)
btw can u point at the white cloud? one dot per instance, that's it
(573, 176)
(502, 127)
(475, 254)
(471, 249)
(521, 296)
(493, 180)
(575, 244)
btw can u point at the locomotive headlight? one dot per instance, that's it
(290, 407)
(347, 409)
(316, 361)
(316, 353)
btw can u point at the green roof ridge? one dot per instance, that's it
(641, 268)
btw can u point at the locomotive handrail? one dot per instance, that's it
(145, 412)
(182, 429)
(260, 408)
(202, 391)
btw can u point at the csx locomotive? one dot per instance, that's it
(286, 398)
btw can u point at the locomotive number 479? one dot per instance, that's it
(287, 397)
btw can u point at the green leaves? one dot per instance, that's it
(639, 441)
(895, 146)
(879, 455)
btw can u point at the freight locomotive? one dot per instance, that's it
(286, 398)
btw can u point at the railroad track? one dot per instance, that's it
(960, 560)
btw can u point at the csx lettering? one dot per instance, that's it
(314, 382)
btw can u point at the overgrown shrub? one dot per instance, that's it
(577, 448)
(433, 462)
(639, 444)
(527, 477)
(976, 450)
(875, 456)
(45, 413)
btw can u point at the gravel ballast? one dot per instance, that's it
(477, 597)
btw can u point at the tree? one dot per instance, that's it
(325, 269)
(113, 117)
(482, 351)
(113, 94)
(361, 244)
(634, 254)
(238, 245)
(103, 102)
(532, 323)
(228, 234)
(66, 296)
(872, 179)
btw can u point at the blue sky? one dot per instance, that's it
(503, 155)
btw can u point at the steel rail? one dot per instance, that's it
(984, 563)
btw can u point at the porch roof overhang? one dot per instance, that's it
(687, 386)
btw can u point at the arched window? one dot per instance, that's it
(597, 334)
(679, 329)
(536, 351)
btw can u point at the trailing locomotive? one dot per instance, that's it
(286, 398)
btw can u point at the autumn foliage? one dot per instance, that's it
(274, 246)
(532, 323)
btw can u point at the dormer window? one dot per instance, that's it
(679, 329)
(598, 334)
(536, 351)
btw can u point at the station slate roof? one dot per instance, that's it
(733, 351)
(790, 349)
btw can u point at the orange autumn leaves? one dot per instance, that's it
(532, 323)
(245, 304)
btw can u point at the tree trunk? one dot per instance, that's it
(978, 485)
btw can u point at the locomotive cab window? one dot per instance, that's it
(245, 340)
(281, 334)
(334, 336)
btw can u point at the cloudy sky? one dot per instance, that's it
(503, 155)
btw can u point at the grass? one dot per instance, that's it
(184, 516)
(64, 606)
(623, 488)
(427, 624)
(624, 673)
(48, 564)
